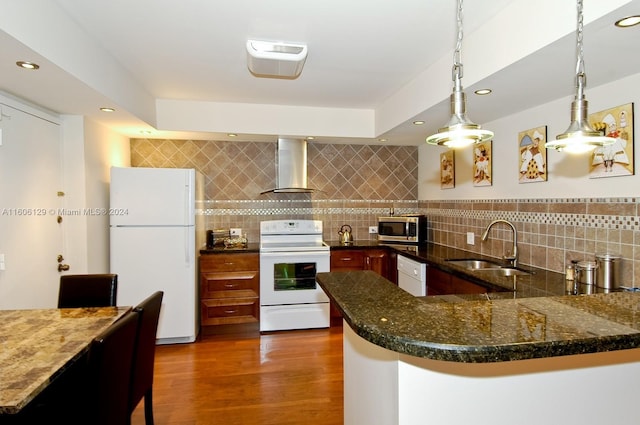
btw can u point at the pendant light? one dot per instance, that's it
(460, 131)
(579, 137)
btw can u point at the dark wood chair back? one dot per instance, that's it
(88, 290)
(109, 373)
(144, 354)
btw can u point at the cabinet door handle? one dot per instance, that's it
(230, 285)
(230, 311)
(346, 259)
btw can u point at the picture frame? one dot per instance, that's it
(617, 159)
(447, 170)
(482, 169)
(532, 155)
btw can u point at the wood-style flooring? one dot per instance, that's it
(283, 378)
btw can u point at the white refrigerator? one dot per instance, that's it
(154, 240)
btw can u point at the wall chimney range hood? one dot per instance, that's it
(291, 167)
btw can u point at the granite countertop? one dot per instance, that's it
(250, 247)
(453, 328)
(540, 283)
(36, 346)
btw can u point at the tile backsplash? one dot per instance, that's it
(361, 183)
(241, 170)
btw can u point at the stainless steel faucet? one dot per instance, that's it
(513, 258)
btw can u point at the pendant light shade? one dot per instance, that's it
(579, 137)
(459, 131)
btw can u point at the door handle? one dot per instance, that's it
(63, 267)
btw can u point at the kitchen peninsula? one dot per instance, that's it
(458, 360)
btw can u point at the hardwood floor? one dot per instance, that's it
(284, 378)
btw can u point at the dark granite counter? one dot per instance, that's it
(540, 283)
(250, 247)
(453, 328)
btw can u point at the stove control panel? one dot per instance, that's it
(291, 227)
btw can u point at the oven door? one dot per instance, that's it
(290, 277)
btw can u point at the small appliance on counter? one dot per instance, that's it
(608, 270)
(346, 234)
(410, 228)
(216, 237)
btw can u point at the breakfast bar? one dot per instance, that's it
(455, 359)
(38, 346)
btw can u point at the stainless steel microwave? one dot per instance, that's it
(403, 229)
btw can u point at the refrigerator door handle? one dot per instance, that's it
(187, 246)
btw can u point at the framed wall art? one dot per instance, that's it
(533, 155)
(482, 164)
(616, 159)
(447, 170)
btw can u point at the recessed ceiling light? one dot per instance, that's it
(311, 138)
(629, 21)
(27, 65)
(146, 132)
(419, 122)
(232, 135)
(107, 109)
(482, 92)
(382, 140)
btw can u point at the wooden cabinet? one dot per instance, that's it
(343, 260)
(438, 282)
(229, 291)
(375, 259)
(361, 259)
(378, 261)
(442, 283)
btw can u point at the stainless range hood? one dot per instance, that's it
(291, 167)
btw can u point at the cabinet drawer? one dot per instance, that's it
(229, 284)
(229, 262)
(229, 311)
(347, 260)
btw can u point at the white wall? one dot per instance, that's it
(568, 174)
(90, 149)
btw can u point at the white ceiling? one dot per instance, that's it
(178, 68)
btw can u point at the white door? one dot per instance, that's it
(30, 178)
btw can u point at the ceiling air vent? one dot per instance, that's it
(275, 60)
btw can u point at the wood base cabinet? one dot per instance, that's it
(229, 292)
(442, 283)
(358, 259)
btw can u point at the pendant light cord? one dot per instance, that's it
(581, 76)
(457, 54)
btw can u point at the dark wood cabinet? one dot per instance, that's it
(347, 260)
(355, 259)
(377, 260)
(229, 292)
(440, 282)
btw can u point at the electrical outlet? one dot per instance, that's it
(235, 231)
(373, 230)
(470, 238)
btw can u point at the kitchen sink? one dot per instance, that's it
(478, 265)
(506, 271)
(474, 264)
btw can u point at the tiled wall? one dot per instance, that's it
(241, 170)
(551, 232)
(364, 182)
(357, 182)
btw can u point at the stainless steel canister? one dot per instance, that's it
(608, 272)
(586, 272)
